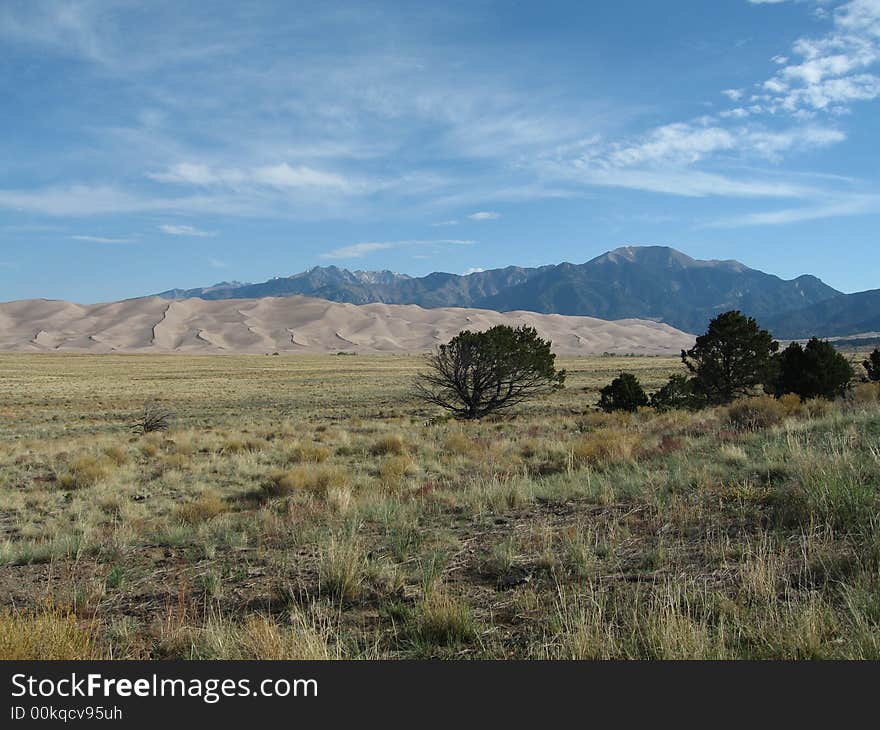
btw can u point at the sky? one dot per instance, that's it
(161, 144)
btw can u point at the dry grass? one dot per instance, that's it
(306, 507)
(45, 634)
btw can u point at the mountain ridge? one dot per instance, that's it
(656, 283)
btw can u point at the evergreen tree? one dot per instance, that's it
(872, 365)
(733, 357)
(817, 370)
(477, 373)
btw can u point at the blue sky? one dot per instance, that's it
(145, 145)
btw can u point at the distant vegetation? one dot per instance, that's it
(733, 359)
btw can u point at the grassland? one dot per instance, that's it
(307, 507)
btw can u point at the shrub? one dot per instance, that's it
(605, 446)
(733, 357)
(865, 393)
(86, 471)
(679, 393)
(459, 443)
(872, 365)
(444, 620)
(202, 509)
(317, 480)
(792, 405)
(242, 445)
(117, 455)
(393, 469)
(478, 373)
(154, 417)
(625, 393)
(751, 414)
(390, 444)
(49, 634)
(308, 453)
(815, 371)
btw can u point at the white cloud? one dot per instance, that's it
(446, 223)
(833, 70)
(182, 230)
(694, 183)
(101, 239)
(733, 94)
(281, 175)
(359, 250)
(217, 264)
(484, 215)
(473, 270)
(678, 144)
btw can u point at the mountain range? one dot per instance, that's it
(633, 282)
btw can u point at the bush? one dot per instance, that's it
(865, 393)
(679, 393)
(202, 509)
(872, 365)
(459, 443)
(390, 444)
(86, 471)
(605, 447)
(317, 480)
(50, 634)
(154, 417)
(624, 393)
(751, 414)
(815, 371)
(393, 469)
(444, 620)
(308, 453)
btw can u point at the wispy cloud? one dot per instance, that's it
(360, 250)
(852, 206)
(281, 175)
(101, 239)
(184, 230)
(360, 133)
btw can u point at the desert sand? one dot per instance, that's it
(298, 325)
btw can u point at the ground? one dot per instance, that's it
(309, 507)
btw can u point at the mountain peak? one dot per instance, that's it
(642, 282)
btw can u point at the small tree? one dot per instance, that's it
(678, 394)
(815, 371)
(625, 393)
(732, 357)
(477, 373)
(872, 365)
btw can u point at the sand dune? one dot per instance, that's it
(298, 324)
